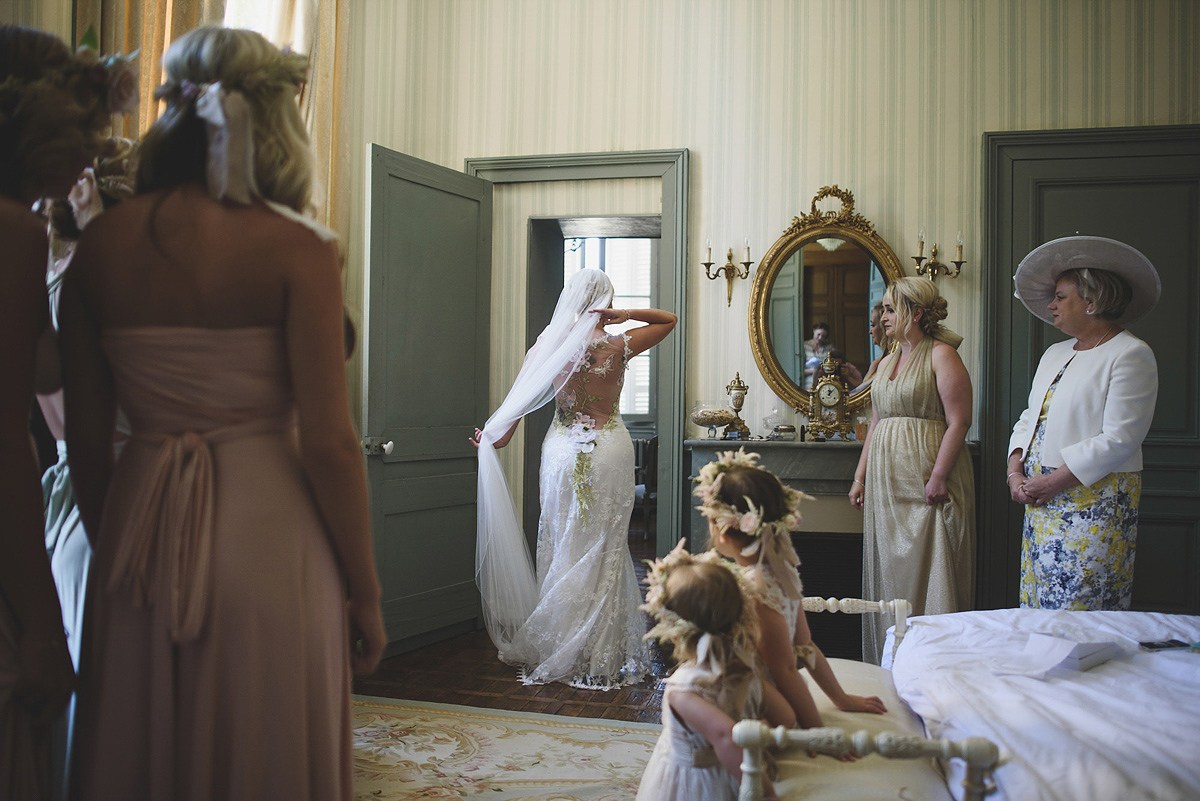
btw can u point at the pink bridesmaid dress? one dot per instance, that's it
(215, 661)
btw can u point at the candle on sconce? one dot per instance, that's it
(747, 250)
(958, 249)
(921, 241)
(708, 246)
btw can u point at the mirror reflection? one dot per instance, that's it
(820, 303)
(813, 294)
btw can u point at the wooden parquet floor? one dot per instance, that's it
(465, 670)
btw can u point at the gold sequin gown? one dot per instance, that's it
(922, 553)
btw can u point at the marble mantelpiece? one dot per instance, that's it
(818, 468)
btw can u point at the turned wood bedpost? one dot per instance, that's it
(752, 736)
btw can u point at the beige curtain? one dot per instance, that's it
(147, 26)
(317, 28)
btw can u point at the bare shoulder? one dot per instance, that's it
(23, 265)
(295, 244)
(187, 218)
(22, 277)
(22, 228)
(945, 356)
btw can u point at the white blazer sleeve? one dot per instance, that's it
(1048, 366)
(1021, 433)
(1128, 412)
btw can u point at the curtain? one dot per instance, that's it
(319, 29)
(147, 26)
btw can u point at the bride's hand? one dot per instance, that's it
(500, 443)
(611, 316)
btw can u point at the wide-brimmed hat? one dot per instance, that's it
(1038, 273)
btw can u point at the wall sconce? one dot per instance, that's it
(729, 270)
(933, 267)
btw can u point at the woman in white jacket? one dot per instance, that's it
(1075, 456)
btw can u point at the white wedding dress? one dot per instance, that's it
(586, 629)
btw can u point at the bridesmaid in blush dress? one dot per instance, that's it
(53, 113)
(233, 589)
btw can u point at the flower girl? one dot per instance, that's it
(750, 516)
(703, 613)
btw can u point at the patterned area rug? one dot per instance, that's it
(409, 750)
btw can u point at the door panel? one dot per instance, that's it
(1140, 186)
(425, 388)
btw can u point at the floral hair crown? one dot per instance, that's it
(285, 71)
(116, 74)
(750, 523)
(672, 628)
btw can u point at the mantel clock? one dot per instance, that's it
(828, 413)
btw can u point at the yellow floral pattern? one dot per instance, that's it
(1077, 550)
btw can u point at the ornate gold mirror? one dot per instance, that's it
(828, 267)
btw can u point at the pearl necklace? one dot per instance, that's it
(1104, 338)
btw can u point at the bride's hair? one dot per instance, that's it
(175, 149)
(114, 171)
(591, 287)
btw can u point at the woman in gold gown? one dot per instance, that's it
(914, 481)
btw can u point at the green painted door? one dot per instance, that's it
(425, 387)
(1136, 185)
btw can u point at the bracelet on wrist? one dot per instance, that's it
(1010, 475)
(859, 483)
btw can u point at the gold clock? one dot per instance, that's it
(828, 414)
(830, 393)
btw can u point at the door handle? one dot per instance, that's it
(376, 446)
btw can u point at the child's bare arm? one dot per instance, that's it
(776, 649)
(775, 708)
(823, 675)
(706, 719)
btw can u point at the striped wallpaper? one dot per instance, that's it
(49, 15)
(774, 99)
(513, 205)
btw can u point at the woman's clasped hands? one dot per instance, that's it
(1038, 490)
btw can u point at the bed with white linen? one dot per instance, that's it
(1128, 728)
(1124, 730)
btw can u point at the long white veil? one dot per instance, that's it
(503, 568)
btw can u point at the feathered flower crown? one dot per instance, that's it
(750, 523)
(286, 71)
(116, 75)
(672, 628)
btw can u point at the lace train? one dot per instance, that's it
(586, 629)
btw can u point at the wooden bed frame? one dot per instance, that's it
(752, 736)
(900, 609)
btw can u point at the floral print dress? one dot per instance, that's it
(1077, 550)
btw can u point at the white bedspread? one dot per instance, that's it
(1126, 729)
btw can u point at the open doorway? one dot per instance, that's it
(668, 169)
(627, 249)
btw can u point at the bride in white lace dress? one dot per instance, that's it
(579, 621)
